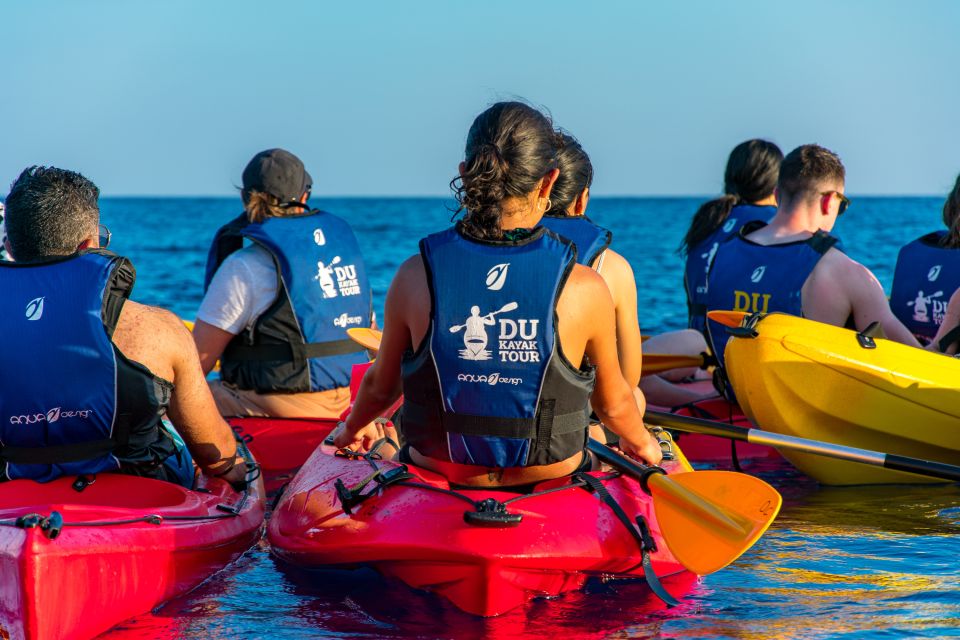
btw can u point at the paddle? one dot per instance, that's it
(707, 518)
(367, 338)
(890, 461)
(659, 362)
(510, 306)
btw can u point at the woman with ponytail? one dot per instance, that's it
(748, 184)
(494, 335)
(928, 273)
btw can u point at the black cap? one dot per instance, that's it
(279, 173)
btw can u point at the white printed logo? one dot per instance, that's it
(492, 379)
(497, 276)
(345, 321)
(51, 416)
(731, 223)
(758, 273)
(934, 273)
(517, 340)
(319, 238)
(920, 303)
(708, 256)
(35, 309)
(346, 282)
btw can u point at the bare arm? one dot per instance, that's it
(210, 342)
(950, 322)
(192, 409)
(613, 398)
(383, 383)
(623, 287)
(840, 287)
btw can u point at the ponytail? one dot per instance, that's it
(951, 218)
(708, 218)
(510, 148)
(259, 206)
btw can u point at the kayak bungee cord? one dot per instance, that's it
(52, 525)
(491, 512)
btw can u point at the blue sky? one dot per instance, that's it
(174, 97)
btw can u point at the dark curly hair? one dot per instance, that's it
(50, 212)
(576, 174)
(510, 147)
(750, 176)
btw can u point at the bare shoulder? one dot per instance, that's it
(585, 284)
(153, 337)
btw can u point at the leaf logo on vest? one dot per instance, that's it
(343, 320)
(497, 276)
(319, 238)
(34, 309)
(51, 416)
(337, 280)
(934, 273)
(509, 348)
(758, 273)
(730, 224)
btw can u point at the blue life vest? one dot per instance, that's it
(299, 344)
(755, 278)
(589, 239)
(488, 386)
(700, 257)
(927, 274)
(71, 402)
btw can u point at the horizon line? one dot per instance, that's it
(612, 196)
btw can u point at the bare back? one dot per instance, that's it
(618, 275)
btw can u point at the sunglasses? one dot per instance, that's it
(844, 200)
(105, 236)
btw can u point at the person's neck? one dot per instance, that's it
(792, 223)
(520, 216)
(769, 201)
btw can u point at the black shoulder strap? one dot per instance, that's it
(117, 292)
(821, 242)
(229, 238)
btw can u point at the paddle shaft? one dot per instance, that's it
(890, 461)
(653, 476)
(510, 306)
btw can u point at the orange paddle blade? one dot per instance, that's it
(727, 318)
(366, 337)
(659, 362)
(710, 518)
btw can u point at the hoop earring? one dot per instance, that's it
(549, 205)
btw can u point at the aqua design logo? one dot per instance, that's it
(492, 380)
(497, 276)
(934, 273)
(51, 416)
(343, 320)
(757, 274)
(921, 307)
(319, 238)
(35, 309)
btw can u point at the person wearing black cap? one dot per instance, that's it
(276, 311)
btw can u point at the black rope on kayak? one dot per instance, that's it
(640, 532)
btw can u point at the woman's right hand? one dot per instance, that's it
(645, 449)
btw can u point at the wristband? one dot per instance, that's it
(227, 469)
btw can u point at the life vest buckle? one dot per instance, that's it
(492, 513)
(747, 328)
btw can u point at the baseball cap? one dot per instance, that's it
(279, 173)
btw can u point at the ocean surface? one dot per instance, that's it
(880, 562)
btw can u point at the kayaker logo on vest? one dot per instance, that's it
(934, 273)
(497, 276)
(35, 309)
(319, 238)
(921, 306)
(730, 224)
(517, 340)
(758, 273)
(337, 280)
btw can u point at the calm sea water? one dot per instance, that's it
(851, 563)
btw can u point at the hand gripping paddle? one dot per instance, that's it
(707, 518)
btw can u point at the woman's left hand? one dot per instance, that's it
(360, 441)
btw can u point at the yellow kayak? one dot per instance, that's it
(812, 380)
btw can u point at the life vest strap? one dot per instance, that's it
(275, 352)
(57, 454)
(540, 428)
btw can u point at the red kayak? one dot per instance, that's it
(281, 445)
(719, 452)
(487, 551)
(77, 562)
